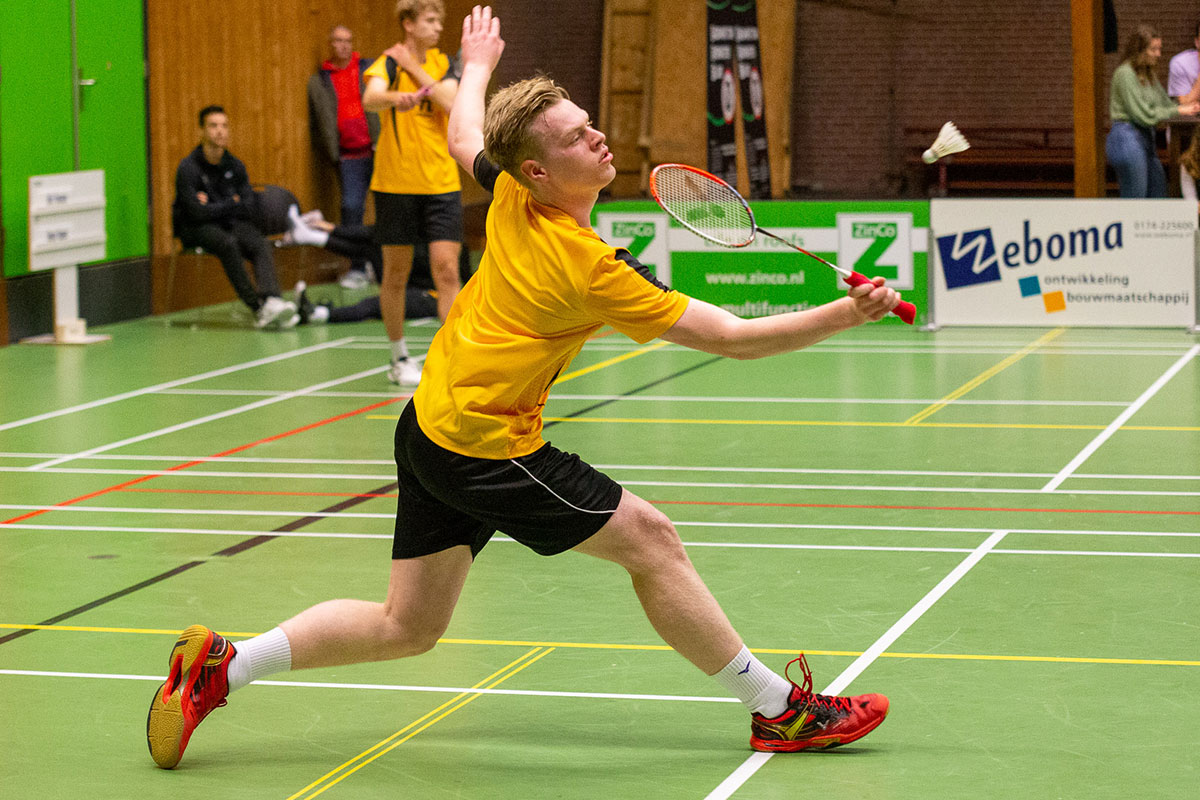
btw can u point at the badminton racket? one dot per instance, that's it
(712, 209)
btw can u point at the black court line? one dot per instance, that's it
(302, 522)
(233, 550)
(642, 388)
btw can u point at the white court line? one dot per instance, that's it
(658, 398)
(46, 465)
(908, 348)
(387, 462)
(752, 764)
(504, 539)
(388, 687)
(1121, 419)
(170, 384)
(326, 476)
(796, 526)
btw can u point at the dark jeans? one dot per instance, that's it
(354, 175)
(355, 242)
(232, 244)
(1131, 152)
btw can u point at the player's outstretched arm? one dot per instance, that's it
(481, 49)
(706, 327)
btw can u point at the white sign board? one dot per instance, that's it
(66, 219)
(1064, 262)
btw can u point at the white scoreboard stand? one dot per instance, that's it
(66, 229)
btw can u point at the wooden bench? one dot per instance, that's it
(1028, 160)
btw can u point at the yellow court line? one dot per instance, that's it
(633, 354)
(842, 423)
(660, 647)
(979, 379)
(500, 675)
(817, 423)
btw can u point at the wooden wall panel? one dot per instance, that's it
(679, 129)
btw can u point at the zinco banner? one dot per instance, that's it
(1064, 262)
(888, 239)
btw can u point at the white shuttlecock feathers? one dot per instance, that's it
(948, 141)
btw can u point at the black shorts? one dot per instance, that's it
(548, 501)
(406, 219)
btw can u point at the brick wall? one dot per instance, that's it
(866, 70)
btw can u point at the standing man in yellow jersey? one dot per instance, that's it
(415, 181)
(470, 456)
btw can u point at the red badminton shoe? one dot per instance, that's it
(196, 684)
(816, 721)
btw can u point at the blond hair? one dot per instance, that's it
(508, 137)
(411, 9)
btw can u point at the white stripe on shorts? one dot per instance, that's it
(556, 494)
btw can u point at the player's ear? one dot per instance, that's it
(533, 170)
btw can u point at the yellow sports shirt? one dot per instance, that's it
(412, 156)
(544, 286)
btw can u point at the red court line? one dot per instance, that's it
(240, 448)
(927, 508)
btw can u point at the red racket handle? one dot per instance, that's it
(905, 311)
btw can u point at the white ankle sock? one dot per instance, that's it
(399, 349)
(259, 657)
(749, 680)
(302, 233)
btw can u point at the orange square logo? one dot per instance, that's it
(1054, 301)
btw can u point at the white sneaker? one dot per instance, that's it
(354, 279)
(319, 315)
(312, 217)
(405, 372)
(277, 311)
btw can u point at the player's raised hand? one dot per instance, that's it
(481, 42)
(873, 300)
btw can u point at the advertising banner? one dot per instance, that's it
(1064, 262)
(722, 93)
(754, 112)
(887, 239)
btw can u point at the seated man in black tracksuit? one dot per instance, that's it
(212, 210)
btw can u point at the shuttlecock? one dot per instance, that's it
(948, 141)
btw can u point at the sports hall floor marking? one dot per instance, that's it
(984, 376)
(853, 424)
(1121, 419)
(608, 363)
(401, 736)
(773, 470)
(212, 417)
(175, 383)
(786, 651)
(755, 762)
(186, 465)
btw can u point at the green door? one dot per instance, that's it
(37, 122)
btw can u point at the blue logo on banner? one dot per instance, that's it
(969, 258)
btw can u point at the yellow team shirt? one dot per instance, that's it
(544, 286)
(412, 155)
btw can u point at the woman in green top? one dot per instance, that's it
(1136, 104)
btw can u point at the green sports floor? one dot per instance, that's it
(998, 528)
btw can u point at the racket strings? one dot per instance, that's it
(709, 208)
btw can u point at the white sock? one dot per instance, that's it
(749, 680)
(302, 233)
(399, 350)
(259, 657)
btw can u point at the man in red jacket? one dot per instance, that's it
(345, 133)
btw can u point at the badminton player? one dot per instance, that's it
(415, 181)
(469, 452)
